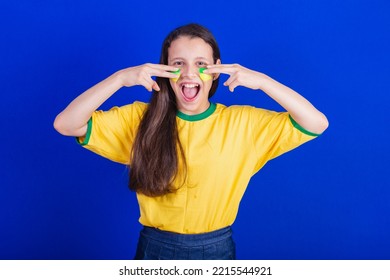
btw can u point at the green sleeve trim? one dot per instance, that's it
(301, 129)
(87, 135)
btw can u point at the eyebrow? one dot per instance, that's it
(198, 57)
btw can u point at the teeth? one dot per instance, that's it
(190, 85)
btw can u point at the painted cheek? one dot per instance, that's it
(204, 77)
(175, 79)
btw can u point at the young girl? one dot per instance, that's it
(190, 159)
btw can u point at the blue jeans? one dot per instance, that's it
(155, 244)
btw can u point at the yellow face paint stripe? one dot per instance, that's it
(204, 77)
(176, 72)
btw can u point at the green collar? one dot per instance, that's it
(198, 117)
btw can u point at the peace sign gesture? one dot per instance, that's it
(142, 75)
(239, 75)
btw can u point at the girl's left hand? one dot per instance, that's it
(239, 75)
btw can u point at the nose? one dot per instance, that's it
(189, 71)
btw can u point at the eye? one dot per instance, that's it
(178, 63)
(201, 63)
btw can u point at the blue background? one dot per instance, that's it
(328, 199)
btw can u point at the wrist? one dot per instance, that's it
(263, 81)
(118, 78)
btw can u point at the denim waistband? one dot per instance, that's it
(187, 239)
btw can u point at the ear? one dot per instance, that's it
(216, 75)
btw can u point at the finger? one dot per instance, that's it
(148, 83)
(163, 67)
(164, 74)
(155, 86)
(233, 85)
(221, 65)
(228, 69)
(230, 80)
(161, 70)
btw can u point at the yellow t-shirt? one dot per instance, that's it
(224, 147)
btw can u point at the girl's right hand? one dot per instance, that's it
(142, 75)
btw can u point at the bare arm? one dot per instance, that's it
(300, 109)
(72, 121)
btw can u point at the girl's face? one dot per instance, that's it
(190, 54)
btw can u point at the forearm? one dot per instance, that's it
(72, 121)
(300, 109)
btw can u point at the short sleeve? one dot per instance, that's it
(275, 133)
(111, 133)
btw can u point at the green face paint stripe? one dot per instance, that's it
(176, 72)
(205, 77)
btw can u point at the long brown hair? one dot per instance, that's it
(154, 159)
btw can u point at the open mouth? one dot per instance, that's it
(190, 91)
